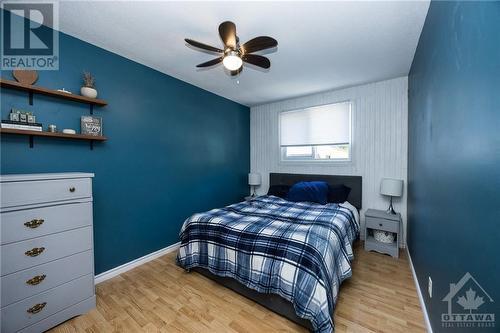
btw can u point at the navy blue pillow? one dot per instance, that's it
(309, 191)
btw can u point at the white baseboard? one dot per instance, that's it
(419, 292)
(134, 263)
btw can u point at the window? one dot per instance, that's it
(320, 133)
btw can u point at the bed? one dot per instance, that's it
(290, 257)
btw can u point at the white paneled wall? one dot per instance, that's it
(379, 139)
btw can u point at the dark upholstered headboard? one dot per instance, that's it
(354, 182)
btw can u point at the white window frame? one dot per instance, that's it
(304, 160)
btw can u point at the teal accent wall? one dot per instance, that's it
(454, 157)
(173, 149)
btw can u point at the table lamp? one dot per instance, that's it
(392, 188)
(254, 180)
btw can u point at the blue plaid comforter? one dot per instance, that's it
(300, 251)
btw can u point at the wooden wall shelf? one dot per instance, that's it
(49, 92)
(32, 134)
(9, 84)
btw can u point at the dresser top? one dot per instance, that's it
(43, 176)
(382, 214)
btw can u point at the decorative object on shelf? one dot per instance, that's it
(21, 125)
(88, 89)
(393, 188)
(254, 180)
(383, 236)
(69, 131)
(64, 91)
(52, 128)
(21, 116)
(15, 115)
(31, 119)
(25, 76)
(91, 125)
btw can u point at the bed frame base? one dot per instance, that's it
(273, 302)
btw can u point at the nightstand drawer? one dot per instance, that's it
(381, 224)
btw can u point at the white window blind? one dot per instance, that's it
(319, 125)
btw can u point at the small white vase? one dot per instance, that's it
(88, 92)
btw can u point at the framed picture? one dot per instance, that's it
(91, 125)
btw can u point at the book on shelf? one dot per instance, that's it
(21, 125)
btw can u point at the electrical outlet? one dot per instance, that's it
(430, 287)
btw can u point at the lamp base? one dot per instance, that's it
(391, 210)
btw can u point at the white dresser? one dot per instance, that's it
(46, 239)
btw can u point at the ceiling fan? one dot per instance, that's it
(233, 55)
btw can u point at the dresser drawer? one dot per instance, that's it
(17, 316)
(42, 191)
(382, 224)
(31, 281)
(55, 246)
(30, 223)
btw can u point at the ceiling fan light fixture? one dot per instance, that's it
(232, 61)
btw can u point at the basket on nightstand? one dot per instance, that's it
(383, 236)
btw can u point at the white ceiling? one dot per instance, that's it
(322, 45)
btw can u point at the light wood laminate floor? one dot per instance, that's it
(160, 297)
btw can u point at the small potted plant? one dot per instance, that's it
(88, 89)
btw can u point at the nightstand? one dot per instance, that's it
(380, 220)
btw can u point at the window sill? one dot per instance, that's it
(316, 162)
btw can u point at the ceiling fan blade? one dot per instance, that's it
(203, 46)
(211, 62)
(259, 43)
(256, 60)
(227, 32)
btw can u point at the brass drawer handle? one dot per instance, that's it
(34, 251)
(36, 308)
(72, 189)
(36, 280)
(35, 223)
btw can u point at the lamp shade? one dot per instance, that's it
(254, 179)
(392, 187)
